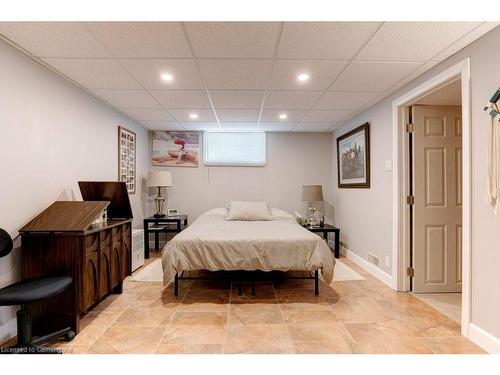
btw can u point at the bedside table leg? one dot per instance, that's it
(176, 285)
(146, 242)
(337, 244)
(316, 283)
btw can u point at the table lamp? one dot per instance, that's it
(159, 179)
(312, 194)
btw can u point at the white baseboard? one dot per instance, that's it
(484, 339)
(370, 268)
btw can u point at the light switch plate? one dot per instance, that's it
(388, 165)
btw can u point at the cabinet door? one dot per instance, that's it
(127, 250)
(91, 280)
(116, 256)
(105, 263)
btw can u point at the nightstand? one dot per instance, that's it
(157, 225)
(325, 229)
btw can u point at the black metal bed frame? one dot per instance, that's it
(313, 276)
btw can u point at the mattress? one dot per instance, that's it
(213, 243)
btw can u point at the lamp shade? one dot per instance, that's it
(312, 193)
(159, 178)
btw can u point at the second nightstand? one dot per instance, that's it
(325, 229)
(157, 225)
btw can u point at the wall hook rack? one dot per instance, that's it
(492, 107)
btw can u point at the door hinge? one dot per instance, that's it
(410, 128)
(410, 271)
(410, 200)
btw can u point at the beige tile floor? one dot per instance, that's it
(450, 304)
(284, 317)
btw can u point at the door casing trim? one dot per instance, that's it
(400, 184)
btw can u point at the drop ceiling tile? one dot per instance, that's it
(235, 74)
(413, 75)
(94, 73)
(54, 39)
(127, 98)
(313, 127)
(272, 115)
(466, 40)
(321, 73)
(182, 115)
(200, 126)
(228, 115)
(250, 125)
(270, 126)
(324, 40)
(291, 99)
(233, 39)
(148, 72)
(141, 39)
(182, 99)
(326, 116)
(143, 114)
(372, 76)
(162, 125)
(344, 100)
(413, 41)
(243, 99)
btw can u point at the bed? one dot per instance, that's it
(215, 244)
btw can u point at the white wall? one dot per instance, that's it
(52, 134)
(365, 216)
(293, 160)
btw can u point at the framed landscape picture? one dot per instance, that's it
(353, 158)
(126, 158)
(175, 149)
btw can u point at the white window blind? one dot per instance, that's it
(234, 148)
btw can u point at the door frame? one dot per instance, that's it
(400, 240)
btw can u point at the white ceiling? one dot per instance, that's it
(242, 75)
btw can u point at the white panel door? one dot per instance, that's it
(437, 182)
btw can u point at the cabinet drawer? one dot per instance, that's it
(91, 243)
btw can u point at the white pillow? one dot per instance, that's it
(281, 215)
(248, 211)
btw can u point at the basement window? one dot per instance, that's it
(246, 149)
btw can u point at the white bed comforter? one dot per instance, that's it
(213, 243)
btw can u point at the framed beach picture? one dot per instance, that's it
(353, 158)
(127, 158)
(175, 149)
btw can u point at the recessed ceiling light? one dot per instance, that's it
(167, 77)
(193, 116)
(283, 116)
(303, 77)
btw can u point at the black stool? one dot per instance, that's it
(29, 291)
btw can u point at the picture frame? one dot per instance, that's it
(127, 162)
(353, 158)
(175, 149)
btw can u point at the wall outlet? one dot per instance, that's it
(388, 165)
(388, 261)
(372, 258)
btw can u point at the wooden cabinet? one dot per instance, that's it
(105, 263)
(62, 241)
